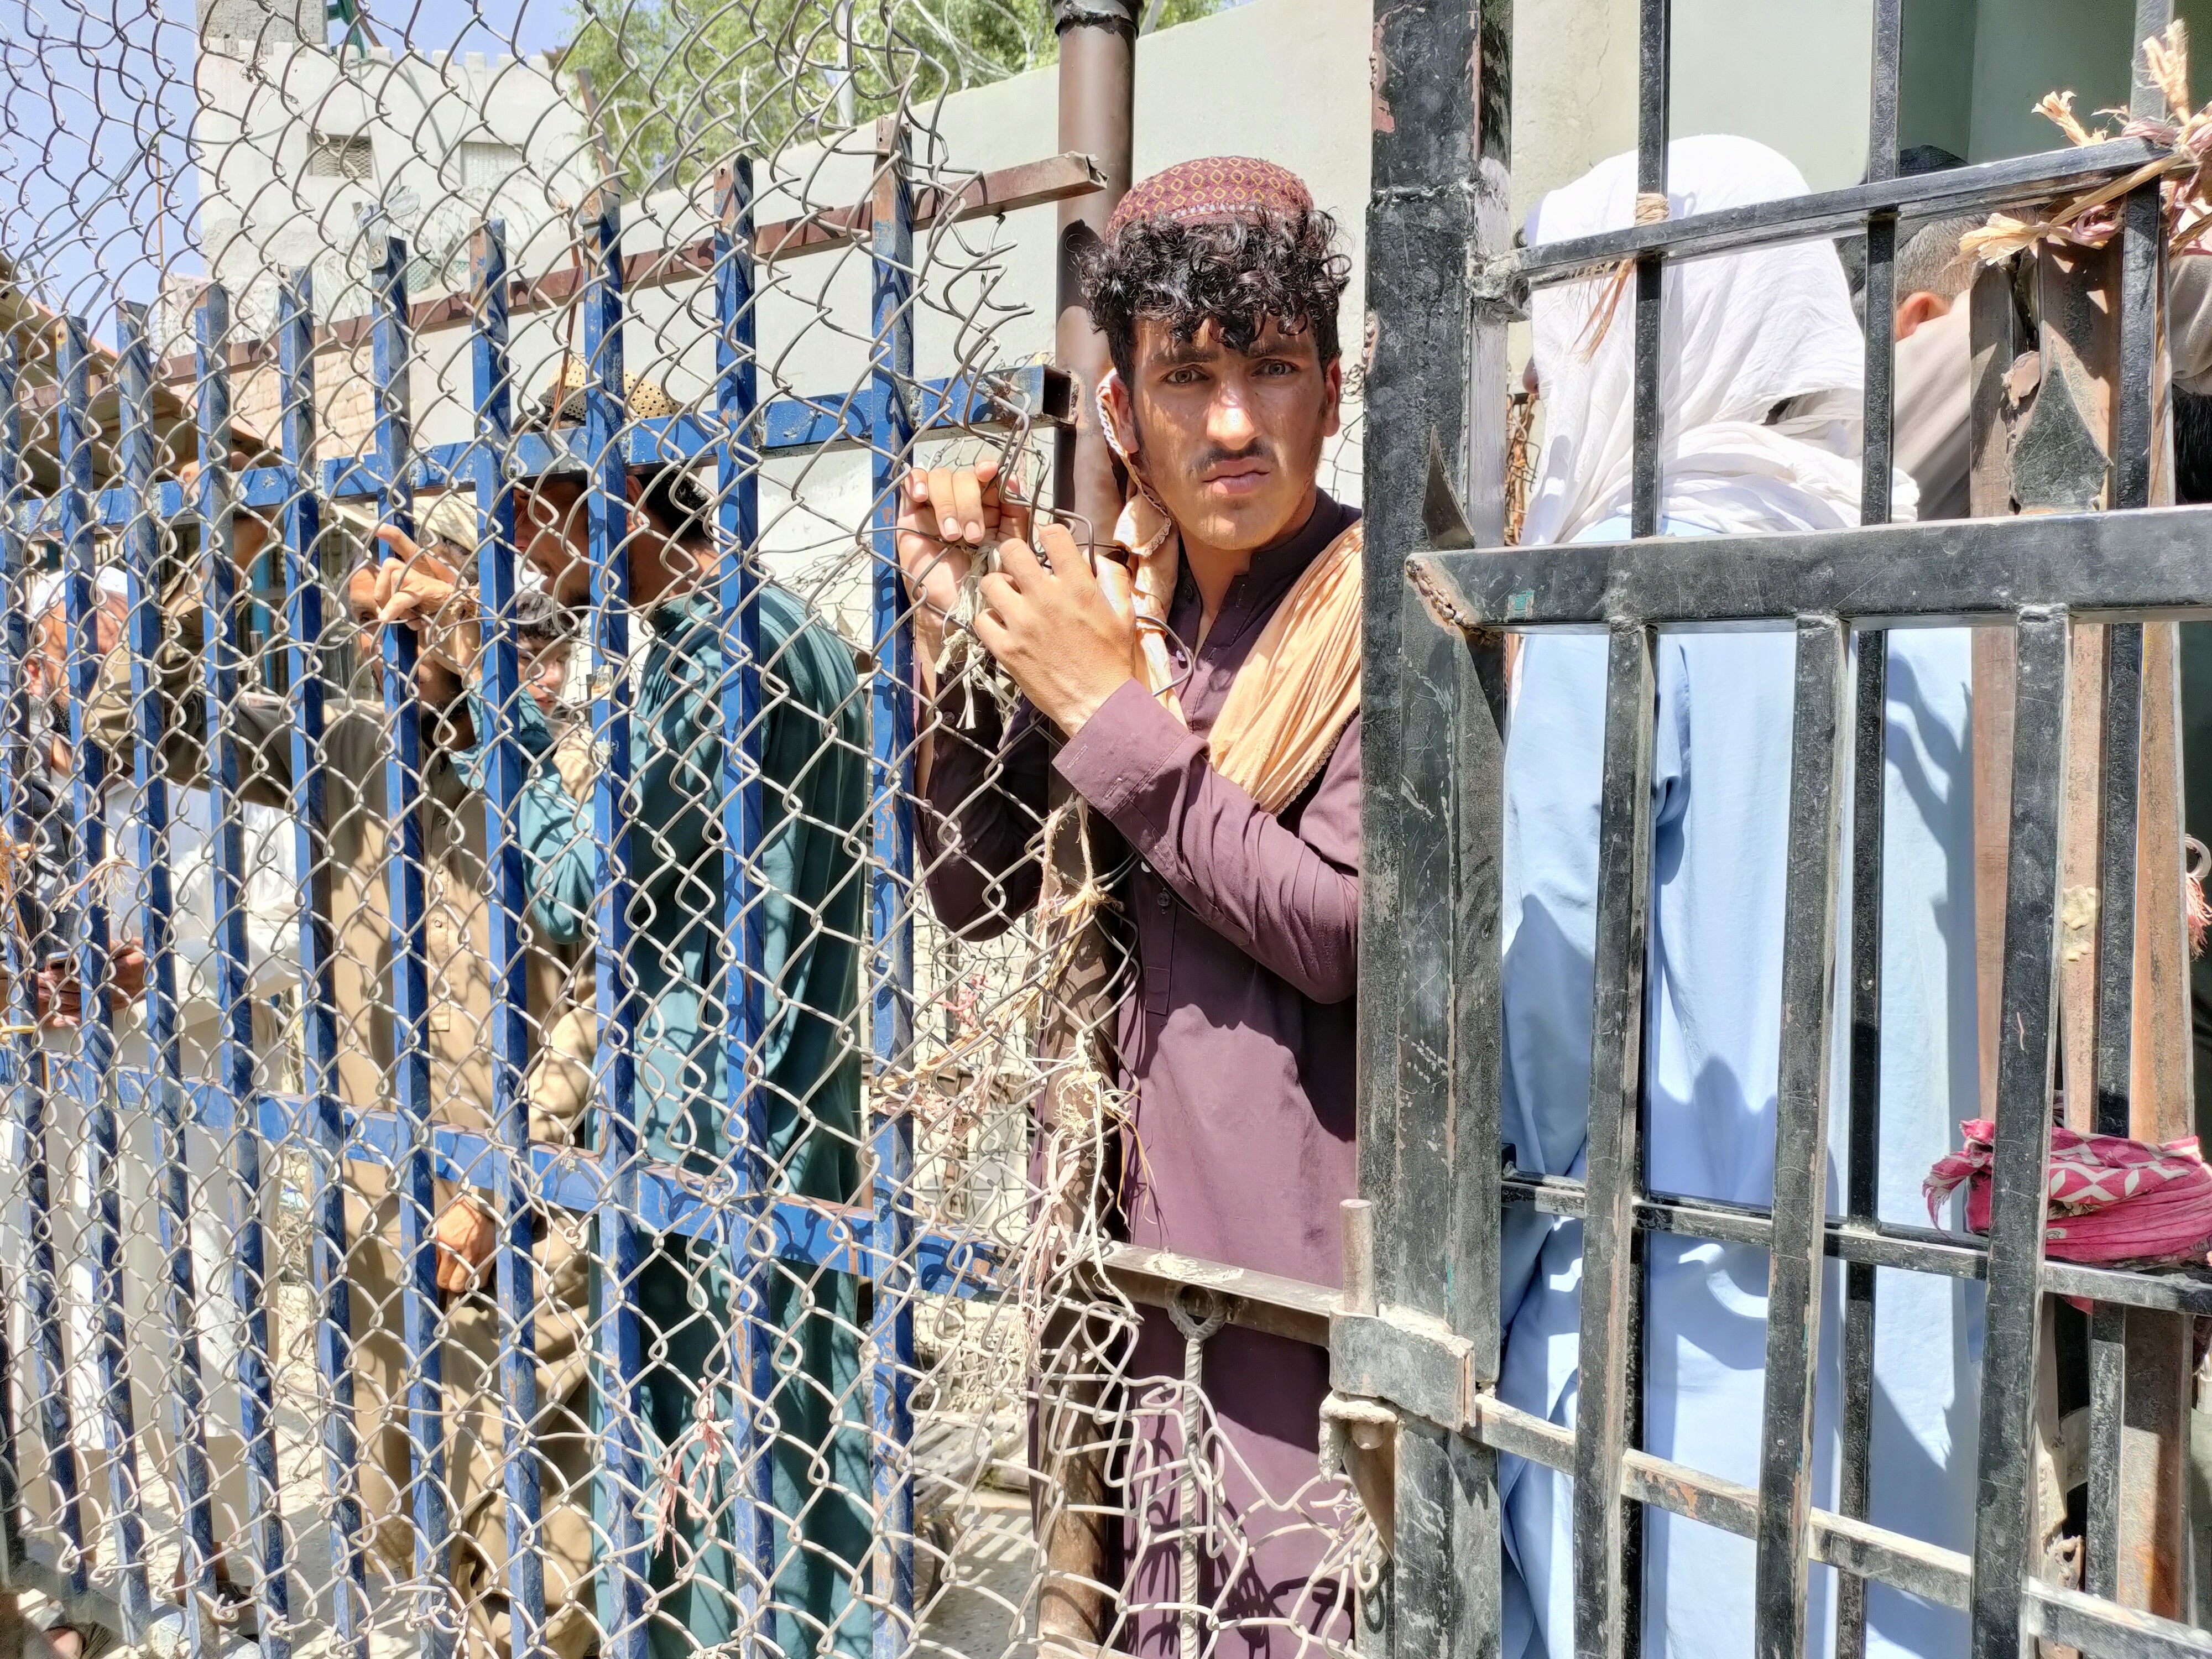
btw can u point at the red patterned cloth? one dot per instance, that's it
(2111, 1199)
(1211, 188)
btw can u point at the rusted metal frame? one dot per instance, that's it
(2157, 1395)
(1096, 114)
(2111, 566)
(1878, 1245)
(2004, 1479)
(1614, 1156)
(1994, 324)
(1818, 743)
(1856, 1547)
(1032, 184)
(2067, 1618)
(1258, 1301)
(1869, 776)
(1434, 390)
(1508, 275)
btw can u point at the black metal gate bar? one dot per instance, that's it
(1428, 1112)
(1796, 1261)
(2003, 1505)
(2150, 562)
(1603, 1521)
(1842, 212)
(1869, 776)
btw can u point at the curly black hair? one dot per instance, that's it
(1236, 272)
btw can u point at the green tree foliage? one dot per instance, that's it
(678, 83)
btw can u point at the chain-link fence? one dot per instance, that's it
(502, 1155)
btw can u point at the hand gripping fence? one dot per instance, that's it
(501, 1157)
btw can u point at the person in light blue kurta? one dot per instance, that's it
(1761, 392)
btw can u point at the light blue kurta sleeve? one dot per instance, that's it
(1721, 774)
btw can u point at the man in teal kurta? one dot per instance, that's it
(811, 886)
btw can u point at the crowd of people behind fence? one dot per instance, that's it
(1198, 693)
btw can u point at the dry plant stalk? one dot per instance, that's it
(2092, 219)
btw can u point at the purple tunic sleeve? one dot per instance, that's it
(1288, 898)
(981, 812)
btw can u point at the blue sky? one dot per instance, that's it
(96, 102)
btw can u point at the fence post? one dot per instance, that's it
(405, 851)
(41, 1291)
(505, 891)
(736, 478)
(93, 1072)
(2004, 1483)
(163, 1092)
(324, 1110)
(1427, 941)
(890, 895)
(234, 1060)
(621, 1325)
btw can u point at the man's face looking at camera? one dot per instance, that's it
(1230, 440)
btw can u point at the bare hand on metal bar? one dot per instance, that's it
(416, 587)
(466, 1237)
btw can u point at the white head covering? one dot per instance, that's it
(46, 588)
(1743, 333)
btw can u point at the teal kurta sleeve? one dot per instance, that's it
(809, 869)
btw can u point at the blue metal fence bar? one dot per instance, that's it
(737, 400)
(325, 1117)
(505, 890)
(46, 1395)
(19, 1042)
(405, 854)
(890, 896)
(808, 1233)
(965, 402)
(163, 1096)
(620, 1327)
(93, 1075)
(234, 1059)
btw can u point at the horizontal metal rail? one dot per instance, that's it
(808, 1232)
(1876, 1244)
(967, 403)
(1032, 184)
(2095, 565)
(1926, 1570)
(1509, 275)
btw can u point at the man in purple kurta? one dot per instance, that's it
(1217, 288)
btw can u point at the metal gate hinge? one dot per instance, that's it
(1410, 1359)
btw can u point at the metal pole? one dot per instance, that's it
(1098, 97)
(93, 1074)
(1098, 92)
(890, 900)
(493, 387)
(324, 1111)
